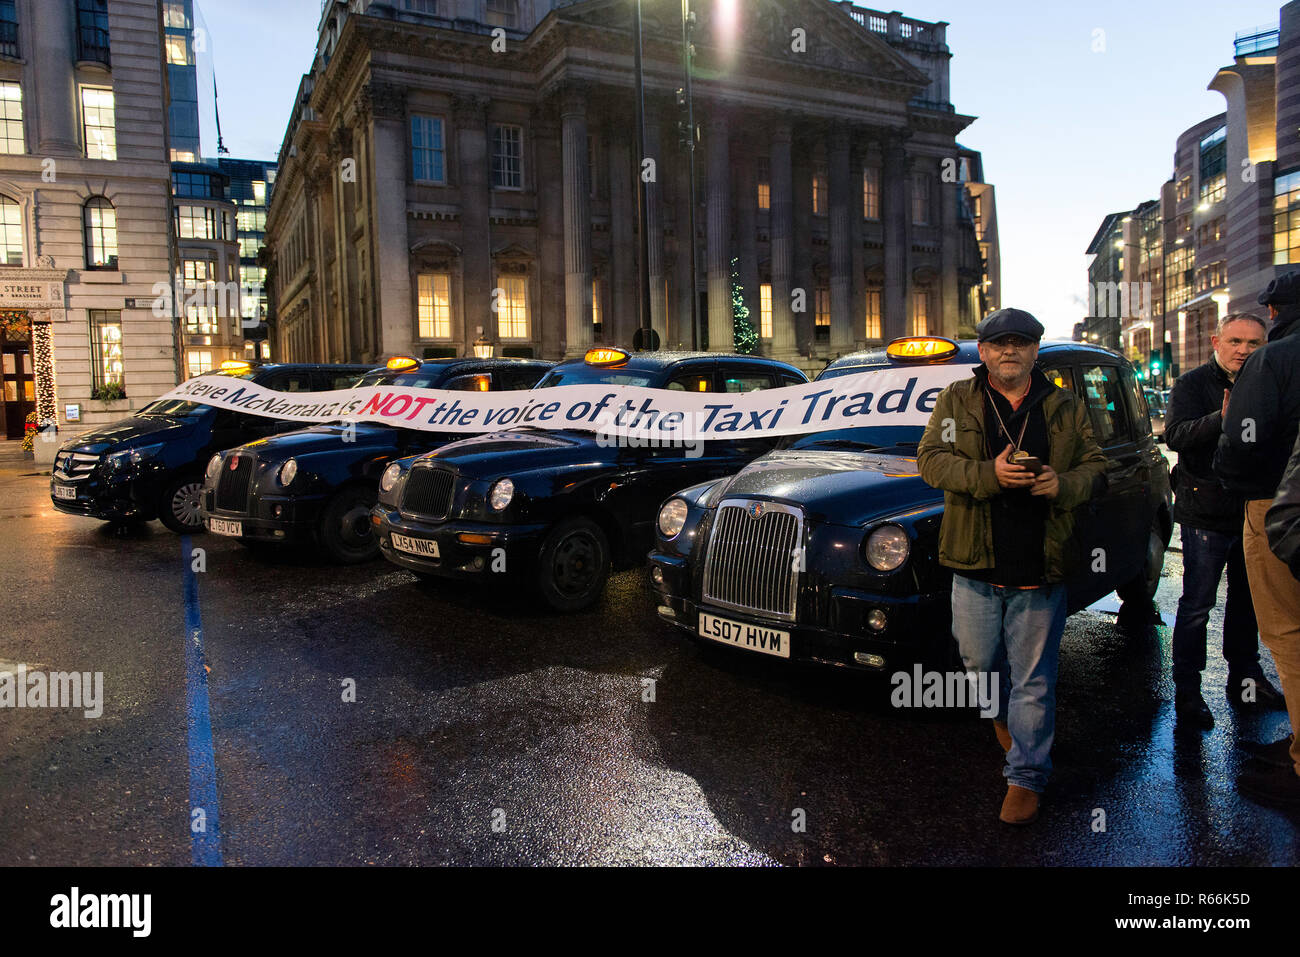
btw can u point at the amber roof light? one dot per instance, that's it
(402, 364)
(921, 348)
(605, 357)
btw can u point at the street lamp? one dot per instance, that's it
(482, 346)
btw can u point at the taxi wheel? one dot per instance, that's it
(345, 529)
(180, 505)
(573, 565)
(1142, 589)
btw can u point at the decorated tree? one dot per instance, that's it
(746, 336)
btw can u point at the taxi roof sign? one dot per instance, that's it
(402, 364)
(236, 365)
(921, 348)
(605, 356)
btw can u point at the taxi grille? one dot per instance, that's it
(74, 466)
(752, 563)
(233, 483)
(428, 493)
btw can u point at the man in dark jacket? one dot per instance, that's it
(1259, 431)
(1210, 518)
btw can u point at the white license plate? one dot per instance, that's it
(66, 492)
(416, 546)
(220, 526)
(769, 641)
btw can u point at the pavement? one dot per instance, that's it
(285, 711)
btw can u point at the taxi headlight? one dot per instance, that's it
(214, 465)
(503, 492)
(288, 471)
(390, 477)
(887, 548)
(672, 517)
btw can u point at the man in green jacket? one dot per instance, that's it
(1007, 532)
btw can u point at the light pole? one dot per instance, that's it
(645, 330)
(686, 140)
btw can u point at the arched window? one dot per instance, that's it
(101, 233)
(11, 232)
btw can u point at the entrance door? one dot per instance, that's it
(19, 387)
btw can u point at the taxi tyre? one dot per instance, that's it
(179, 500)
(573, 565)
(341, 524)
(1142, 589)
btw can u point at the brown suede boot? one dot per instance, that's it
(1020, 805)
(1004, 735)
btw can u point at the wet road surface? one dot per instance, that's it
(485, 732)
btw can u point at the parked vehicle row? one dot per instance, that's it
(819, 547)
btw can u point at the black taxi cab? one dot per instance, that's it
(318, 484)
(556, 509)
(826, 550)
(150, 465)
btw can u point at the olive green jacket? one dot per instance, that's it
(952, 457)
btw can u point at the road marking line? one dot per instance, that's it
(206, 842)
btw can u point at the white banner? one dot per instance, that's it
(895, 396)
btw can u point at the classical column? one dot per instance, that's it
(478, 282)
(841, 242)
(55, 109)
(857, 259)
(721, 319)
(746, 204)
(654, 216)
(678, 320)
(949, 251)
(550, 215)
(620, 321)
(896, 214)
(577, 223)
(784, 344)
(391, 303)
(801, 199)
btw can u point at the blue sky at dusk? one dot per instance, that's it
(1068, 134)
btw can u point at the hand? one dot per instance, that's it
(1011, 476)
(1046, 483)
(1224, 411)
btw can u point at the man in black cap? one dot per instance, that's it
(1211, 518)
(1259, 432)
(1006, 532)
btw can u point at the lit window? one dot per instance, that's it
(508, 157)
(874, 298)
(11, 232)
(183, 156)
(178, 48)
(259, 192)
(920, 199)
(764, 184)
(512, 308)
(198, 363)
(197, 222)
(11, 119)
(435, 305)
(428, 154)
(820, 193)
(822, 314)
(765, 310)
(920, 312)
(97, 118)
(503, 13)
(106, 347)
(1286, 219)
(174, 15)
(871, 193)
(100, 220)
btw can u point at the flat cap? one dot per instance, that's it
(1007, 322)
(1282, 291)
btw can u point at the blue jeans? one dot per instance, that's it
(1205, 554)
(1015, 633)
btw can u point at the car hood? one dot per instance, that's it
(842, 488)
(323, 438)
(501, 453)
(130, 432)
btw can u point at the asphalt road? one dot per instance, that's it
(485, 732)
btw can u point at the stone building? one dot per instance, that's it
(84, 203)
(457, 170)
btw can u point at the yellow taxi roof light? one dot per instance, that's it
(921, 347)
(403, 364)
(236, 365)
(482, 383)
(605, 357)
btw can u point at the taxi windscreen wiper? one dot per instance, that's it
(842, 444)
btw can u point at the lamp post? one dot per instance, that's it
(482, 346)
(645, 334)
(686, 140)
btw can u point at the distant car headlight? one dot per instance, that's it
(390, 477)
(672, 517)
(214, 466)
(887, 548)
(503, 492)
(288, 471)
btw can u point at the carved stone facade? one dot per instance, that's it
(485, 184)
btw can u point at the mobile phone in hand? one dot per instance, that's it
(1030, 462)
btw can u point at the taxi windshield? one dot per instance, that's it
(593, 375)
(863, 439)
(173, 408)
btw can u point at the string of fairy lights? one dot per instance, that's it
(17, 324)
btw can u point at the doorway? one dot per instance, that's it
(19, 385)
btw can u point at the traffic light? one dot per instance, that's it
(1155, 363)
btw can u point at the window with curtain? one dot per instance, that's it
(435, 305)
(512, 307)
(11, 232)
(100, 221)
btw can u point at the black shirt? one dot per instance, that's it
(1019, 517)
